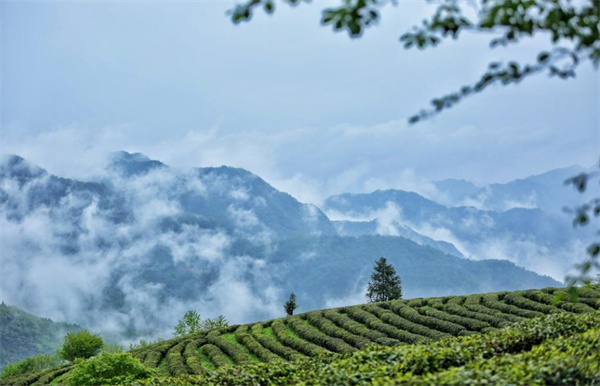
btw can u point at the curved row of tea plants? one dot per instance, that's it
(561, 348)
(345, 331)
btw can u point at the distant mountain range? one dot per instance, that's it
(522, 221)
(130, 252)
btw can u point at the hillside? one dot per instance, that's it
(347, 330)
(135, 248)
(23, 335)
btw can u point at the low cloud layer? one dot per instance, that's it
(60, 257)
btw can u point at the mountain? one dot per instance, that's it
(23, 335)
(546, 191)
(539, 240)
(131, 251)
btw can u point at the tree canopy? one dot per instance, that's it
(385, 284)
(573, 29)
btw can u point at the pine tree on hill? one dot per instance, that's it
(290, 305)
(385, 284)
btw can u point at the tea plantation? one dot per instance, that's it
(509, 337)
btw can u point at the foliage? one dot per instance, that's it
(216, 323)
(191, 323)
(81, 344)
(555, 349)
(33, 363)
(290, 305)
(385, 284)
(573, 29)
(108, 369)
(24, 335)
(188, 324)
(584, 214)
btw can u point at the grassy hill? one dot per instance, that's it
(312, 336)
(23, 335)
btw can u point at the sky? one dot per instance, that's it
(311, 111)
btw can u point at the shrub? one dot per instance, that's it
(403, 324)
(433, 323)
(242, 335)
(566, 360)
(328, 327)
(81, 344)
(236, 353)
(315, 336)
(522, 302)
(493, 301)
(471, 324)
(273, 344)
(33, 363)
(285, 336)
(215, 355)
(370, 320)
(356, 328)
(158, 352)
(191, 357)
(474, 303)
(108, 369)
(175, 360)
(459, 310)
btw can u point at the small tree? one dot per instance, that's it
(81, 344)
(189, 324)
(290, 305)
(385, 284)
(216, 323)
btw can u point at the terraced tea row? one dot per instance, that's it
(349, 329)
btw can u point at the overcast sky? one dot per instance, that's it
(311, 111)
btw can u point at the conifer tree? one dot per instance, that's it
(290, 305)
(385, 284)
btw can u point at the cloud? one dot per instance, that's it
(65, 254)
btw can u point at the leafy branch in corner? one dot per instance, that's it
(573, 28)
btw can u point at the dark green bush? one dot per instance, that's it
(242, 335)
(329, 328)
(389, 317)
(108, 369)
(80, 344)
(520, 301)
(175, 361)
(460, 310)
(311, 334)
(236, 353)
(492, 301)
(284, 335)
(371, 321)
(471, 324)
(433, 323)
(273, 344)
(215, 355)
(158, 352)
(192, 360)
(348, 324)
(475, 304)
